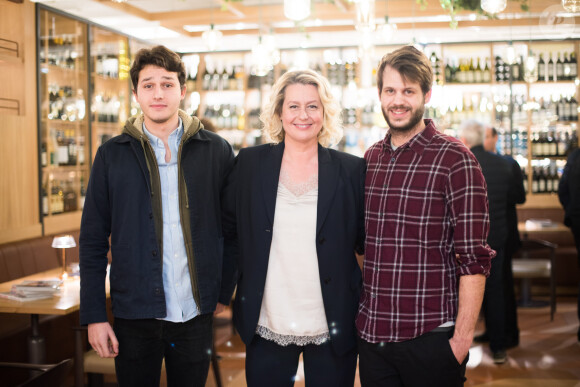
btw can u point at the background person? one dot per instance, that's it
(161, 209)
(426, 256)
(299, 219)
(498, 177)
(517, 195)
(569, 194)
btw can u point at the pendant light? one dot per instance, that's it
(297, 10)
(365, 15)
(493, 6)
(212, 38)
(530, 65)
(571, 5)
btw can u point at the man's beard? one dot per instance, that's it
(413, 121)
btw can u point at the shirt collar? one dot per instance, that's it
(418, 142)
(173, 136)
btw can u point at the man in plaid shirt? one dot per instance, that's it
(426, 256)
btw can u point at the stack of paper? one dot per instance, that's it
(538, 224)
(33, 290)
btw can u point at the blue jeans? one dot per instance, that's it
(143, 344)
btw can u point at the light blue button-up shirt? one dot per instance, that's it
(181, 306)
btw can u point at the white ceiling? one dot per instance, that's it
(139, 20)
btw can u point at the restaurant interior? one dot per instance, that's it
(65, 90)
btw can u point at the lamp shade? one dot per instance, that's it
(297, 10)
(63, 242)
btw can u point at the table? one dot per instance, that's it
(528, 232)
(66, 301)
(533, 231)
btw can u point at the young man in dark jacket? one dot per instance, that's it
(155, 194)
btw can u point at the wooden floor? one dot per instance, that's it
(548, 355)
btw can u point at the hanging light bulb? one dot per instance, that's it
(571, 5)
(530, 69)
(273, 52)
(493, 6)
(119, 1)
(261, 61)
(212, 38)
(510, 54)
(365, 15)
(388, 30)
(296, 9)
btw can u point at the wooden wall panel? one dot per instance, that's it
(19, 212)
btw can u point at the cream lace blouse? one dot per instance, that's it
(292, 309)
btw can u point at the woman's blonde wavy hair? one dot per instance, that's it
(331, 131)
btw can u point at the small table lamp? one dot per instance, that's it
(63, 242)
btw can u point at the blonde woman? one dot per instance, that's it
(299, 220)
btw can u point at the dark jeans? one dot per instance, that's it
(427, 360)
(143, 344)
(269, 364)
(494, 303)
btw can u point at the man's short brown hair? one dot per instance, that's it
(412, 64)
(159, 56)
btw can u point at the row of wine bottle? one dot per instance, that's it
(544, 179)
(559, 67)
(59, 196)
(63, 148)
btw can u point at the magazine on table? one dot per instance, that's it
(33, 290)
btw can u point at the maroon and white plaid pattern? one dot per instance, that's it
(425, 203)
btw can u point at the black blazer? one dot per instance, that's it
(498, 177)
(251, 201)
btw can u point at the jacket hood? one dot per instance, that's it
(134, 125)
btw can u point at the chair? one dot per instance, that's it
(96, 367)
(43, 375)
(536, 258)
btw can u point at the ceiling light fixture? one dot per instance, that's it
(571, 5)
(493, 6)
(297, 10)
(530, 65)
(261, 59)
(365, 15)
(119, 1)
(212, 38)
(388, 30)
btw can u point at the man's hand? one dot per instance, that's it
(219, 308)
(103, 339)
(460, 348)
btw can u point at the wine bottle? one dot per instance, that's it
(559, 69)
(573, 66)
(486, 72)
(541, 68)
(551, 70)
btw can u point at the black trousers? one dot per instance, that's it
(512, 331)
(494, 303)
(576, 233)
(269, 364)
(427, 360)
(143, 344)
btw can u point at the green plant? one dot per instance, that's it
(454, 6)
